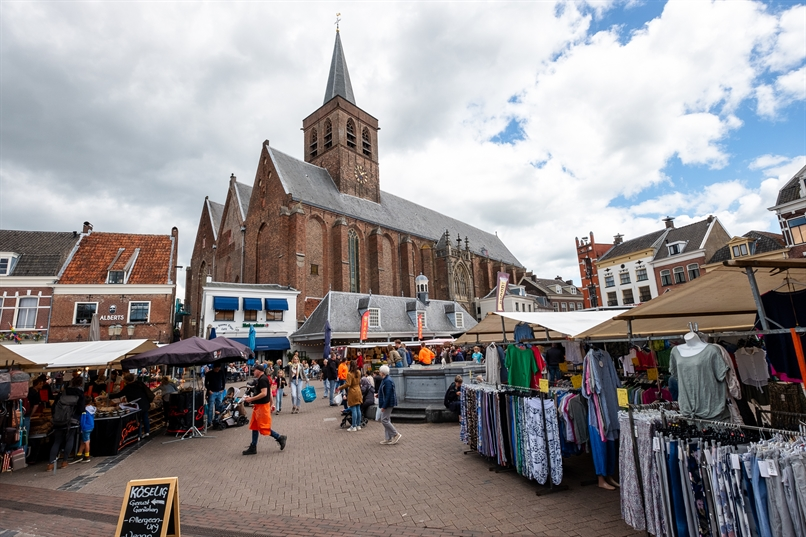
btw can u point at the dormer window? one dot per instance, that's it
(460, 319)
(676, 247)
(115, 277)
(572, 290)
(797, 228)
(7, 262)
(374, 317)
(421, 317)
(740, 250)
(559, 289)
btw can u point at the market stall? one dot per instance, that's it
(500, 326)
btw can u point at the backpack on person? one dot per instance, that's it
(64, 410)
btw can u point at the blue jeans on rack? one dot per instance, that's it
(676, 486)
(760, 496)
(604, 453)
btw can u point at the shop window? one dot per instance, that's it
(350, 134)
(249, 315)
(610, 280)
(224, 315)
(693, 271)
(626, 294)
(274, 315)
(328, 134)
(374, 317)
(314, 270)
(314, 145)
(26, 312)
(138, 312)
(644, 294)
(365, 143)
(611, 299)
(640, 275)
(797, 228)
(84, 311)
(115, 277)
(625, 278)
(666, 277)
(679, 275)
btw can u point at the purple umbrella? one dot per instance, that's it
(189, 352)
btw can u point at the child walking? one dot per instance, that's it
(86, 425)
(282, 383)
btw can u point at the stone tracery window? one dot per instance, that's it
(365, 143)
(352, 255)
(328, 134)
(460, 283)
(314, 145)
(350, 134)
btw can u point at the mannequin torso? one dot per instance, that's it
(693, 345)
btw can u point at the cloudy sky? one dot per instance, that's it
(540, 121)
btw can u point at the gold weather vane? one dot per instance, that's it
(338, 20)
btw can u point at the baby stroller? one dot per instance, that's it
(369, 399)
(231, 413)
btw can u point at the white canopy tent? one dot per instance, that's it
(58, 356)
(558, 324)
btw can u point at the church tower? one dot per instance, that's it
(341, 137)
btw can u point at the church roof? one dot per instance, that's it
(244, 195)
(313, 185)
(338, 81)
(215, 210)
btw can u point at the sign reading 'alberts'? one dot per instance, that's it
(150, 509)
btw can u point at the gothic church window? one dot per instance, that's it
(314, 145)
(328, 134)
(365, 143)
(352, 254)
(350, 134)
(460, 284)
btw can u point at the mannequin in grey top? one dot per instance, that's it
(701, 374)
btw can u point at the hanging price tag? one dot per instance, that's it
(564, 367)
(734, 461)
(708, 457)
(763, 469)
(623, 397)
(576, 381)
(656, 444)
(772, 467)
(544, 385)
(652, 373)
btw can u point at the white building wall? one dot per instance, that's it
(630, 267)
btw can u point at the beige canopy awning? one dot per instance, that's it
(560, 325)
(672, 326)
(59, 356)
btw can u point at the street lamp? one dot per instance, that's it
(115, 331)
(130, 330)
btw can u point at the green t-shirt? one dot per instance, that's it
(521, 365)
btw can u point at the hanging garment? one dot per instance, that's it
(521, 366)
(752, 365)
(599, 384)
(573, 354)
(787, 310)
(492, 368)
(701, 383)
(523, 332)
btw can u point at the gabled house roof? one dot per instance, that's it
(763, 242)
(344, 310)
(693, 235)
(313, 185)
(148, 259)
(41, 253)
(547, 286)
(215, 210)
(244, 194)
(791, 190)
(633, 245)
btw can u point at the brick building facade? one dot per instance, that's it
(588, 253)
(325, 224)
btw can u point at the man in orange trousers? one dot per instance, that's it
(261, 412)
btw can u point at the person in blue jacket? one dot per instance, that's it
(387, 400)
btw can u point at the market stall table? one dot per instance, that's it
(114, 432)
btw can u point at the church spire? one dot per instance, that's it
(338, 81)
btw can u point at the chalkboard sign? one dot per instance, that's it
(150, 509)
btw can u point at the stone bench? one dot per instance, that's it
(440, 414)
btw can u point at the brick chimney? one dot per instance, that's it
(618, 239)
(669, 221)
(87, 227)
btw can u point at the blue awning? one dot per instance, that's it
(252, 304)
(225, 303)
(267, 343)
(276, 304)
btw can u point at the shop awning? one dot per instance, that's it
(58, 356)
(266, 343)
(252, 304)
(672, 326)
(559, 324)
(225, 303)
(276, 304)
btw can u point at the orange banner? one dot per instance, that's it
(364, 326)
(419, 327)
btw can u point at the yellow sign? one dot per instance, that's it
(652, 373)
(623, 397)
(576, 381)
(564, 367)
(544, 385)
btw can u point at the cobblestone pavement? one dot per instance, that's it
(327, 481)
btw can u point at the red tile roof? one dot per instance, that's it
(96, 252)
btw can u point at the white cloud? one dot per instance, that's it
(128, 114)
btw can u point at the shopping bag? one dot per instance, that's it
(309, 394)
(377, 413)
(338, 399)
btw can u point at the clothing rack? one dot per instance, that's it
(730, 425)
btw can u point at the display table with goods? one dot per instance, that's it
(183, 411)
(115, 429)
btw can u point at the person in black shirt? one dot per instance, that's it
(65, 435)
(331, 376)
(214, 382)
(135, 391)
(260, 424)
(452, 396)
(554, 357)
